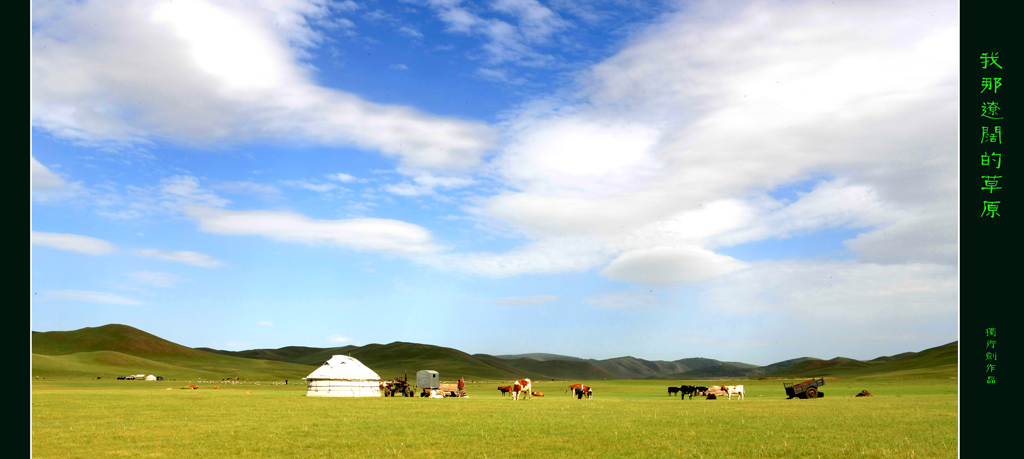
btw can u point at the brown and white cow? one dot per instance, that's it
(523, 385)
(572, 389)
(734, 390)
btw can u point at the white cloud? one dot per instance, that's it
(674, 146)
(372, 234)
(318, 187)
(191, 258)
(338, 339)
(410, 32)
(844, 290)
(265, 323)
(623, 300)
(525, 300)
(201, 72)
(424, 183)
(73, 243)
(399, 67)
(185, 189)
(42, 178)
(156, 279)
(341, 177)
(47, 186)
(670, 265)
(79, 296)
(505, 43)
(536, 21)
(550, 255)
(259, 189)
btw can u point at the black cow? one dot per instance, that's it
(687, 390)
(673, 390)
(712, 397)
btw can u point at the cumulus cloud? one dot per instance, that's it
(265, 323)
(156, 279)
(209, 72)
(679, 144)
(191, 258)
(338, 339)
(80, 296)
(525, 300)
(370, 234)
(73, 242)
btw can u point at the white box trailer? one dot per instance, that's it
(428, 379)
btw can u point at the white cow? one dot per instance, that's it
(738, 390)
(523, 385)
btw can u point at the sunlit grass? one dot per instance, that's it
(905, 418)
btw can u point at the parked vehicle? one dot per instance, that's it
(806, 389)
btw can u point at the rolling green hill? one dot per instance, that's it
(540, 356)
(118, 350)
(115, 350)
(940, 361)
(113, 337)
(555, 369)
(394, 359)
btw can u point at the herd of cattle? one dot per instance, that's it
(524, 385)
(710, 392)
(579, 390)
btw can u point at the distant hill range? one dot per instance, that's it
(121, 349)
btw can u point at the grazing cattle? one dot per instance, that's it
(673, 390)
(863, 393)
(504, 390)
(687, 390)
(700, 390)
(538, 394)
(523, 385)
(734, 390)
(712, 397)
(589, 391)
(572, 389)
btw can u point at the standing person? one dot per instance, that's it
(462, 387)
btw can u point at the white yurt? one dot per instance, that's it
(343, 376)
(150, 378)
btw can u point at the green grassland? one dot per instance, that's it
(913, 412)
(90, 418)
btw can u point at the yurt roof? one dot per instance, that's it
(345, 368)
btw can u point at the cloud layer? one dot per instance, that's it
(679, 145)
(202, 73)
(373, 234)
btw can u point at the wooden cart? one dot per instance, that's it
(806, 389)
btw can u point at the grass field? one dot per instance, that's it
(909, 416)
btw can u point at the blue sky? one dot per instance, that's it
(590, 178)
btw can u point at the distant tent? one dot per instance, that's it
(150, 378)
(343, 376)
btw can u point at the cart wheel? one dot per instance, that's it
(812, 393)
